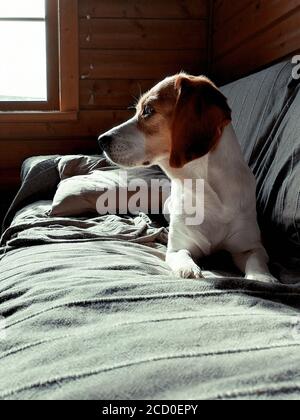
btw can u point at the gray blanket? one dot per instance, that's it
(91, 311)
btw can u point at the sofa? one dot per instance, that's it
(90, 310)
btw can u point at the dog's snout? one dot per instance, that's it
(104, 140)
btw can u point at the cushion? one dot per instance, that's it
(258, 103)
(91, 185)
(40, 178)
(266, 109)
(74, 165)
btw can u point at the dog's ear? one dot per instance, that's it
(200, 116)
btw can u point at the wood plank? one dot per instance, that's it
(14, 152)
(89, 124)
(112, 94)
(277, 42)
(143, 34)
(139, 64)
(37, 116)
(254, 19)
(227, 10)
(160, 9)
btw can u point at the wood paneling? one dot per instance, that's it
(125, 47)
(128, 45)
(142, 34)
(97, 64)
(15, 154)
(146, 9)
(259, 16)
(89, 124)
(20, 141)
(112, 94)
(253, 34)
(225, 10)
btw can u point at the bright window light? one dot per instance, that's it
(23, 69)
(22, 8)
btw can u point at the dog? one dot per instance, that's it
(184, 125)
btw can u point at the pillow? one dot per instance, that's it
(40, 179)
(91, 185)
(74, 165)
(257, 102)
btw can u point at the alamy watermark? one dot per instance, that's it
(2, 328)
(136, 196)
(296, 69)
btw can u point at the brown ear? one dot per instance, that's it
(200, 117)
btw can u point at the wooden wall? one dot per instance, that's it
(125, 46)
(250, 34)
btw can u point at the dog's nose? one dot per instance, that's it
(104, 141)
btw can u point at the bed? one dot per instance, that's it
(90, 310)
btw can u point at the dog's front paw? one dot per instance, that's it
(190, 271)
(262, 278)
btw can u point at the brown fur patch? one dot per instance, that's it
(162, 98)
(200, 116)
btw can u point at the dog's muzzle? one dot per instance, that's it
(104, 141)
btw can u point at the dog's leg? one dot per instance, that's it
(183, 265)
(254, 264)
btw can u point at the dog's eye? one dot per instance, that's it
(148, 111)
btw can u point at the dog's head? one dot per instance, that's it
(181, 119)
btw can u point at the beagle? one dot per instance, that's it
(184, 125)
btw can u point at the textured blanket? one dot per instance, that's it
(89, 310)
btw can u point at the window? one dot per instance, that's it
(29, 55)
(39, 63)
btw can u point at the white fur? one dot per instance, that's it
(128, 146)
(230, 219)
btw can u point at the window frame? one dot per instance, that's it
(62, 43)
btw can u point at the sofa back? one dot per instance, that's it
(266, 116)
